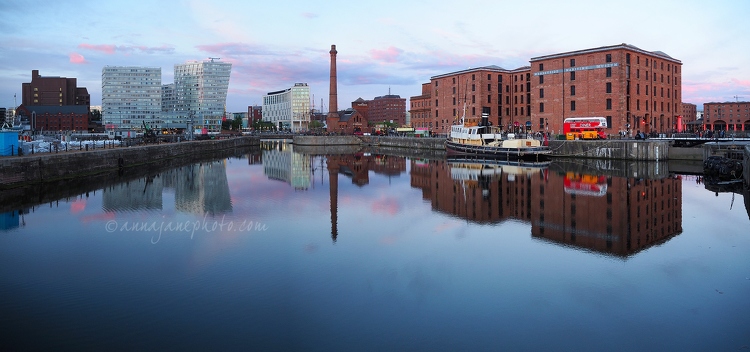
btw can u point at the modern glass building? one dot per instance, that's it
(131, 96)
(200, 89)
(288, 109)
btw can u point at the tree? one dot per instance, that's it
(316, 124)
(95, 115)
(226, 125)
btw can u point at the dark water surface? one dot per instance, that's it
(279, 250)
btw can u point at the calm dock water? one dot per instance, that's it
(279, 250)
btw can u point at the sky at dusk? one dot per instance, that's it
(383, 46)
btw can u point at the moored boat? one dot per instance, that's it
(473, 136)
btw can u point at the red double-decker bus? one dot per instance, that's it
(585, 128)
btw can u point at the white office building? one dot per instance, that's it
(200, 89)
(131, 96)
(288, 109)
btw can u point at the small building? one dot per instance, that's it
(347, 121)
(389, 108)
(254, 114)
(51, 118)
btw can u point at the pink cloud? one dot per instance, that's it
(77, 58)
(388, 240)
(700, 93)
(98, 217)
(388, 55)
(111, 49)
(77, 206)
(385, 205)
(226, 48)
(445, 226)
(105, 48)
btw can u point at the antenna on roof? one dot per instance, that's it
(214, 58)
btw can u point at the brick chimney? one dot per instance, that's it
(333, 105)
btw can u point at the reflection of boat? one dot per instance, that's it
(472, 169)
(587, 185)
(472, 172)
(476, 137)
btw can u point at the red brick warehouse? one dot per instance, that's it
(633, 88)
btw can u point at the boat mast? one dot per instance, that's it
(463, 115)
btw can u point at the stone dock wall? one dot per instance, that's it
(41, 168)
(612, 149)
(404, 142)
(51, 167)
(372, 141)
(604, 149)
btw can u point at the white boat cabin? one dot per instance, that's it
(471, 133)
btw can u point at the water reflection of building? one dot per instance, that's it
(614, 215)
(198, 188)
(357, 167)
(281, 163)
(11, 220)
(421, 176)
(493, 194)
(141, 194)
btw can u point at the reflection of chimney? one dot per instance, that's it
(333, 179)
(333, 105)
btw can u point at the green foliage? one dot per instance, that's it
(95, 115)
(316, 124)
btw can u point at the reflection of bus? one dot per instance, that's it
(587, 185)
(585, 128)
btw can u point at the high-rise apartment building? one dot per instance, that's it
(168, 98)
(131, 96)
(288, 109)
(200, 88)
